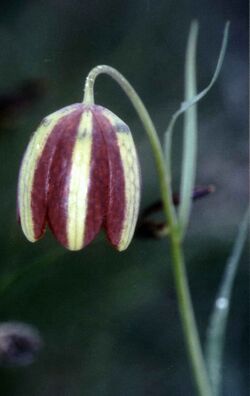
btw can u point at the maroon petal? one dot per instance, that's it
(33, 176)
(124, 179)
(58, 181)
(99, 183)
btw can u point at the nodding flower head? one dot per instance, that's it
(79, 174)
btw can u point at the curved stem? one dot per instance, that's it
(182, 289)
(147, 122)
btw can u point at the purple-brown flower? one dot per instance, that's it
(80, 173)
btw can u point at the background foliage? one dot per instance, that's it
(109, 321)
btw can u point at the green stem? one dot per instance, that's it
(191, 335)
(184, 300)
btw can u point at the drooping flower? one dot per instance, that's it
(80, 173)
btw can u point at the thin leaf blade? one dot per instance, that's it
(218, 320)
(190, 132)
(187, 104)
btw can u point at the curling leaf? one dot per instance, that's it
(186, 105)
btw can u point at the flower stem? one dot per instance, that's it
(147, 123)
(182, 289)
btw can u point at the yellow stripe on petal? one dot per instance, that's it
(131, 177)
(79, 183)
(132, 187)
(28, 168)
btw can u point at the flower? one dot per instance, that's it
(80, 173)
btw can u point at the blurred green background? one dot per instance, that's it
(109, 321)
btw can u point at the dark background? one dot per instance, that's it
(109, 321)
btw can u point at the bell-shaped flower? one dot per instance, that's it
(80, 173)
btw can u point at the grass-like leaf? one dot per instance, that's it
(185, 106)
(189, 132)
(219, 316)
